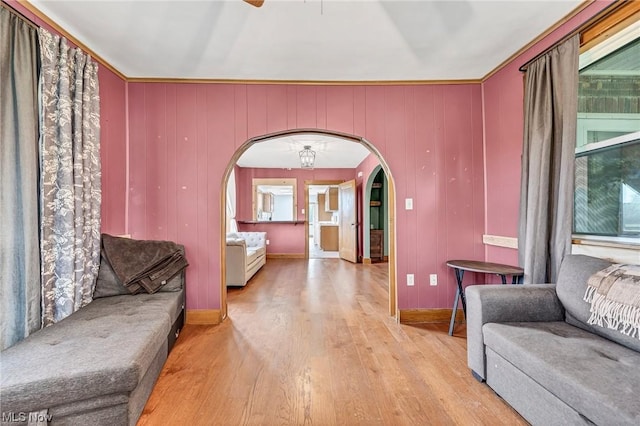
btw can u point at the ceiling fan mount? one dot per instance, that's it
(256, 3)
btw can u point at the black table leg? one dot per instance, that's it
(459, 294)
(460, 272)
(503, 278)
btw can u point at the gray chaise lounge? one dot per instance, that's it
(534, 348)
(97, 366)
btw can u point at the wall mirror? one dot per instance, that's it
(274, 199)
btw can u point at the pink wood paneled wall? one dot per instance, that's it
(113, 132)
(113, 151)
(503, 98)
(283, 238)
(182, 137)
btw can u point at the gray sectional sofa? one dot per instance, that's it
(97, 366)
(533, 346)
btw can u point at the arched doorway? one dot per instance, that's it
(375, 217)
(393, 295)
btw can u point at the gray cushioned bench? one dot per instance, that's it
(97, 366)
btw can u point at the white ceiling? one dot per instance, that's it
(311, 40)
(283, 152)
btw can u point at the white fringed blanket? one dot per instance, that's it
(614, 294)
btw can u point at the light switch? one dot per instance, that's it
(408, 204)
(302, 211)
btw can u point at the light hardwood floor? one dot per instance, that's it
(310, 342)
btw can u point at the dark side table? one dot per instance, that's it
(459, 266)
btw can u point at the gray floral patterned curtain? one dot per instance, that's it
(70, 177)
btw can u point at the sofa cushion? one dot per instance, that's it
(104, 348)
(598, 378)
(572, 285)
(254, 239)
(254, 254)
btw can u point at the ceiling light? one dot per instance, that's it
(307, 157)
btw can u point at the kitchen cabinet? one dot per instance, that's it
(329, 237)
(331, 200)
(323, 215)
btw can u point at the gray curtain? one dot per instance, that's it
(70, 177)
(548, 160)
(20, 287)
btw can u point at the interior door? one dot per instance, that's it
(348, 229)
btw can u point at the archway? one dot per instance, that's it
(375, 214)
(391, 225)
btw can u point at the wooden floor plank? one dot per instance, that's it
(311, 343)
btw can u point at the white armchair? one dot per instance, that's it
(246, 254)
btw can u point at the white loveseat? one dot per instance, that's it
(246, 254)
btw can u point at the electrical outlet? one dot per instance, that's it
(409, 279)
(433, 279)
(267, 242)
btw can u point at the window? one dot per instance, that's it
(607, 195)
(274, 199)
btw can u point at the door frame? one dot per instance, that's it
(307, 184)
(393, 290)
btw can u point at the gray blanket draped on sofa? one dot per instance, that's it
(143, 265)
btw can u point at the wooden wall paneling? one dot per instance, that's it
(445, 289)
(205, 254)
(425, 189)
(221, 137)
(306, 107)
(187, 180)
(321, 107)
(156, 162)
(458, 175)
(374, 118)
(395, 149)
(277, 111)
(256, 110)
(406, 127)
(170, 170)
(137, 160)
(240, 115)
(477, 175)
(292, 107)
(113, 151)
(359, 111)
(339, 101)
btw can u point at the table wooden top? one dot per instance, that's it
(485, 267)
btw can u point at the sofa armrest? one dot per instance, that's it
(236, 262)
(510, 303)
(236, 242)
